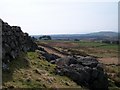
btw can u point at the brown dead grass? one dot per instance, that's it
(63, 44)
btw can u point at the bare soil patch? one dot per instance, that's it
(52, 51)
(109, 60)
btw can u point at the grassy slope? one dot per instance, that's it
(114, 76)
(28, 71)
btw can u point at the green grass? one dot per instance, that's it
(98, 45)
(90, 44)
(28, 71)
(98, 49)
(113, 72)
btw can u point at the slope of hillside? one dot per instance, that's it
(34, 73)
(104, 33)
(22, 67)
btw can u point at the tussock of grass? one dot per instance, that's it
(113, 72)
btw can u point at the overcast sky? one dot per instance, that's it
(61, 16)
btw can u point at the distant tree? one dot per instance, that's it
(76, 39)
(45, 37)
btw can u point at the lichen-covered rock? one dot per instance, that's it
(86, 71)
(14, 41)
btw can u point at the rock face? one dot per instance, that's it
(14, 41)
(86, 71)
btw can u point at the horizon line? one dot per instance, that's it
(73, 33)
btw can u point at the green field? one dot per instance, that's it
(92, 48)
(98, 45)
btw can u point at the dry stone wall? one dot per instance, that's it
(14, 41)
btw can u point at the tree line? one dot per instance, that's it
(44, 37)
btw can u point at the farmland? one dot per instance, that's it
(93, 48)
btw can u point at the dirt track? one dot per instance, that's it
(109, 60)
(53, 51)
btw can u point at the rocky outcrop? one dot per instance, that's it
(86, 71)
(47, 56)
(14, 41)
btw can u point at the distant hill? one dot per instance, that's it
(101, 35)
(104, 35)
